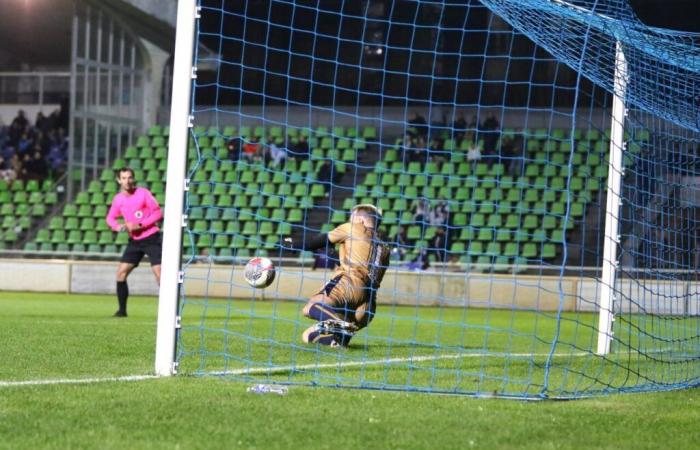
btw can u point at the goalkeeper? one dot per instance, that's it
(347, 303)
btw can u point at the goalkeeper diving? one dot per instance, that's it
(347, 303)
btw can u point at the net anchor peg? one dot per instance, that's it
(190, 121)
(198, 12)
(178, 322)
(193, 74)
(175, 367)
(181, 277)
(186, 186)
(184, 220)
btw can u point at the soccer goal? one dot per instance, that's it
(535, 163)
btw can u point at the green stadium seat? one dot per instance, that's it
(90, 237)
(58, 236)
(85, 211)
(94, 248)
(71, 223)
(100, 211)
(56, 223)
(38, 210)
(20, 197)
(17, 185)
(105, 238)
(74, 237)
(50, 198)
(485, 235)
(43, 235)
(32, 186)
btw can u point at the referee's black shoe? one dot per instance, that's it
(119, 314)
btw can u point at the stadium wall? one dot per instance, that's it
(523, 292)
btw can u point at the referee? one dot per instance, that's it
(139, 211)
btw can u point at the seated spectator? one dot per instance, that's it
(400, 242)
(421, 210)
(233, 146)
(35, 168)
(417, 125)
(7, 173)
(56, 159)
(474, 153)
(440, 214)
(438, 245)
(326, 172)
(42, 123)
(18, 127)
(251, 150)
(277, 153)
(460, 127)
(420, 262)
(24, 144)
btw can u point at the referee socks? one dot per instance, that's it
(122, 296)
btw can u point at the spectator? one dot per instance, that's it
(490, 134)
(251, 150)
(474, 153)
(301, 149)
(417, 125)
(18, 126)
(21, 141)
(421, 210)
(438, 245)
(517, 144)
(42, 123)
(420, 262)
(459, 127)
(233, 147)
(277, 153)
(440, 214)
(56, 159)
(7, 173)
(35, 168)
(24, 144)
(326, 172)
(400, 242)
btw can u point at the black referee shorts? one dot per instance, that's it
(136, 249)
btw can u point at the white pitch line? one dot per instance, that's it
(373, 362)
(76, 380)
(281, 369)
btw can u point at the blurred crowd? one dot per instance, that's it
(34, 150)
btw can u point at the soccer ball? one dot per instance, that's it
(259, 272)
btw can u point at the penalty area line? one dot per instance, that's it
(76, 380)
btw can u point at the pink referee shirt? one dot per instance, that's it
(139, 207)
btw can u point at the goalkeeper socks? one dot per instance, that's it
(122, 295)
(321, 312)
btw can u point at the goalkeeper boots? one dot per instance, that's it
(338, 327)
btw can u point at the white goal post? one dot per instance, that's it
(180, 124)
(612, 208)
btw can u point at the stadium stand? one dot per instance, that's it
(240, 206)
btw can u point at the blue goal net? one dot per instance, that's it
(536, 166)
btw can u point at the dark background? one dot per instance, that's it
(349, 53)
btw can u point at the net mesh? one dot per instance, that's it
(482, 130)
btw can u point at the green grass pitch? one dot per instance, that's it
(48, 337)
